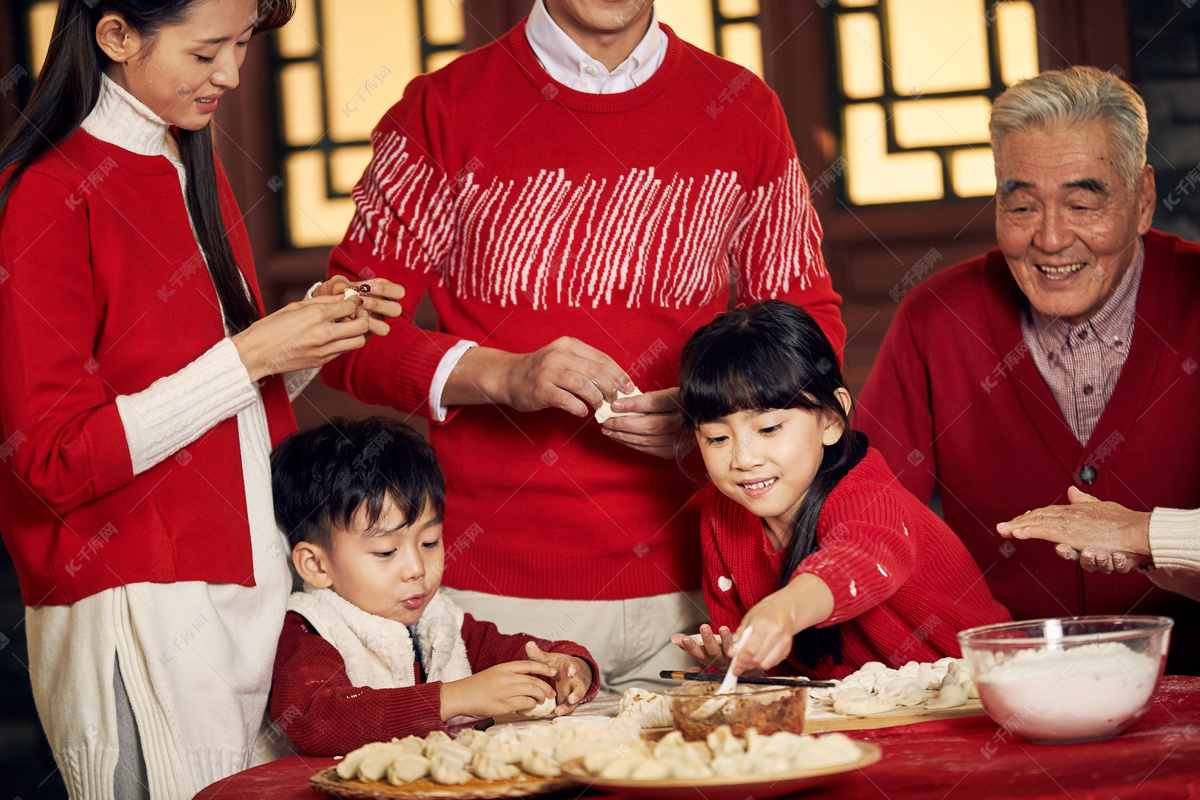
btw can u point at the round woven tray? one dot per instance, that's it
(522, 785)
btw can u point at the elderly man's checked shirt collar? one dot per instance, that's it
(1082, 363)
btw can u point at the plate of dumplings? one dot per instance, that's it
(724, 767)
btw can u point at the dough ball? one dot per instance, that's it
(542, 709)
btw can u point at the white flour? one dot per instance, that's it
(1079, 693)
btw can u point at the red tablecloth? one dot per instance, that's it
(969, 759)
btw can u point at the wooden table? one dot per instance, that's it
(969, 759)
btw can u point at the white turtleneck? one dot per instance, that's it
(195, 658)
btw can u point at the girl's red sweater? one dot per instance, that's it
(903, 584)
(530, 211)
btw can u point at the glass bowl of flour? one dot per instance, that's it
(1074, 679)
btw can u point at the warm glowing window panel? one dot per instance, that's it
(861, 56)
(364, 40)
(313, 218)
(951, 121)
(302, 112)
(299, 37)
(1017, 31)
(742, 44)
(739, 8)
(973, 172)
(857, 3)
(346, 166)
(938, 45)
(691, 20)
(444, 21)
(41, 26)
(875, 176)
(441, 58)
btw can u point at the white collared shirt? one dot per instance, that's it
(569, 64)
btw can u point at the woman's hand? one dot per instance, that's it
(302, 335)
(655, 432)
(572, 677)
(497, 690)
(381, 299)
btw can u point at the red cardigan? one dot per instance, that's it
(954, 401)
(530, 211)
(324, 714)
(102, 293)
(902, 584)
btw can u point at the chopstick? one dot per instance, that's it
(708, 677)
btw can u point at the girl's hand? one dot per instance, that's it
(804, 602)
(572, 677)
(301, 335)
(709, 651)
(380, 299)
(498, 690)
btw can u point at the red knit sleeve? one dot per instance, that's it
(402, 229)
(487, 647)
(776, 246)
(60, 424)
(895, 409)
(314, 703)
(865, 553)
(723, 608)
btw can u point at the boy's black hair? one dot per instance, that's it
(321, 477)
(774, 355)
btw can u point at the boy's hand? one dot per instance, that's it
(710, 651)
(497, 690)
(572, 677)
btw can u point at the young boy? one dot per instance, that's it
(370, 650)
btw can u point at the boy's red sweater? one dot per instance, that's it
(530, 211)
(903, 584)
(324, 714)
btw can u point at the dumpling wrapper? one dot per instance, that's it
(406, 768)
(604, 411)
(542, 709)
(646, 709)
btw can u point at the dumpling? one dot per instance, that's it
(907, 690)
(347, 768)
(597, 760)
(646, 709)
(406, 768)
(873, 667)
(722, 742)
(930, 676)
(375, 765)
(620, 769)
(489, 770)
(540, 765)
(571, 750)
(949, 696)
(434, 742)
(726, 766)
(447, 772)
(692, 770)
(542, 709)
(652, 769)
(864, 705)
(468, 738)
(755, 742)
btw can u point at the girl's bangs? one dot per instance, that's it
(726, 381)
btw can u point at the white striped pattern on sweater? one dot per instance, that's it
(553, 240)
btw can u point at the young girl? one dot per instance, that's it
(141, 393)
(812, 551)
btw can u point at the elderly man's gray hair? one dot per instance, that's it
(1077, 95)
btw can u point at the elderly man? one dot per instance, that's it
(1068, 354)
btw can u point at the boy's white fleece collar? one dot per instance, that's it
(378, 652)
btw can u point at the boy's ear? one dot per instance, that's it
(311, 564)
(118, 41)
(834, 427)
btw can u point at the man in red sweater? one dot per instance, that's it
(576, 198)
(1066, 356)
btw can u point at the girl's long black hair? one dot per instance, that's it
(774, 355)
(67, 90)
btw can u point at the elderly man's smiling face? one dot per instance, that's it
(1065, 219)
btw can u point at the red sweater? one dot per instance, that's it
(89, 238)
(324, 714)
(902, 584)
(955, 401)
(531, 211)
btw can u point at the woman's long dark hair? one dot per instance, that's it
(774, 355)
(66, 92)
